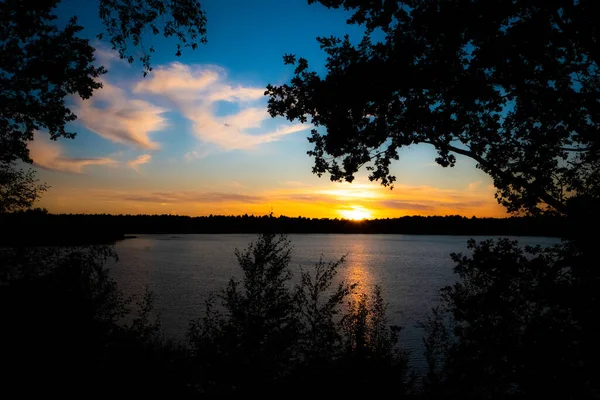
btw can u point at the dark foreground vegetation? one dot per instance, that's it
(40, 227)
(519, 323)
(65, 330)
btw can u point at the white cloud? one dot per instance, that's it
(105, 55)
(112, 115)
(295, 183)
(48, 154)
(195, 91)
(196, 154)
(143, 159)
(474, 185)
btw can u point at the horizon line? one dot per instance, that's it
(45, 212)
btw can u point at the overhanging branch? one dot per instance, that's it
(504, 176)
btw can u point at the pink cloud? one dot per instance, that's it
(48, 154)
(112, 115)
(143, 159)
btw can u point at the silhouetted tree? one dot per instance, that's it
(245, 342)
(519, 323)
(266, 336)
(368, 333)
(319, 307)
(19, 188)
(512, 85)
(63, 328)
(371, 358)
(515, 87)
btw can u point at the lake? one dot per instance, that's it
(183, 270)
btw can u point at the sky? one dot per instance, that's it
(194, 136)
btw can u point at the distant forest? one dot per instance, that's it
(40, 227)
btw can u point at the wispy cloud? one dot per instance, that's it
(112, 114)
(106, 56)
(49, 155)
(404, 205)
(196, 90)
(143, 159)
(195, 154)
(185, 197)
(403, 200)
(474, 185)
(295, 184)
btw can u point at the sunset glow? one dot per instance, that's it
(194, 137)
(356, 213)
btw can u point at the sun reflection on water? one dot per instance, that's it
(358, 271)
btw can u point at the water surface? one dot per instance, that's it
(183, 270)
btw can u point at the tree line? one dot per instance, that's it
(38, 227)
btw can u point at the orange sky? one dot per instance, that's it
(330, 200)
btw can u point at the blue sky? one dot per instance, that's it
(194, 138)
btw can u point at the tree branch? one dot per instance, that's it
(573, 149)
(506, 177)
(584, 42)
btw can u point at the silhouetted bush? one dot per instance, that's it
(519, 323)
(262, 335)
(63, 331)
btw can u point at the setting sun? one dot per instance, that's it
(356, 213)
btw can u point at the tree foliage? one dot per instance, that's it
(368, 334)
(513, 85)
(40, 65)
(19, 188)
(318, 306)
(243, 340)
(126, 22)
(266, 334)
(519, 323)
(43, 62)
(63, 327)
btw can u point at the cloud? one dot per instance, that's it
(196, 91)
(474, 185)
(403, 200)
(295, 184)
(105, 55)
(195, 154)
(143, 159)
(236, 184)
(48, 155)
(190, 197)
(403, 205)
(463, 205)
(113, 115)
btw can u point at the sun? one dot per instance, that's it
(356, 213)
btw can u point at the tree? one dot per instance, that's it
(18, 188)
(320, 335)
(519, 323)
(63, 327)
(42, 62)
(245, 342)
(514, 86)
(265, 335)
